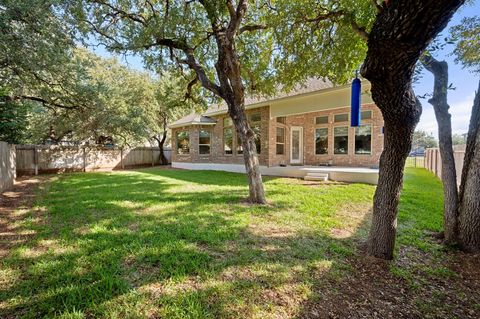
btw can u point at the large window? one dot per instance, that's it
(255, 117)
(183, 143)
(228, 140)
(340, 140)
(204, 142)
(321, 141)
(280, 141)
(363, 140)
(255, 123)
(228, 136)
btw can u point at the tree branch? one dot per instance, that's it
(333, 15)
(188, 94)
(377, 6)
(132, 16)
(39, 99)
(252, 27)
(359, 30)
(236, 17)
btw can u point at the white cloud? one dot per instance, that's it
(460, 112)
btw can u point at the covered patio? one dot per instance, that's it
(316, 173)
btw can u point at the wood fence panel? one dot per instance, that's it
(433, 162)
(50, 159)
(7, 166)
(102, 159)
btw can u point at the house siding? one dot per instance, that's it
(268, 156)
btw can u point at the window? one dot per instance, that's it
(280, 141)
(228, 140)
(366, 115)
(239, 146)
(321, 141)
(258, 142)
(340, 140)
(321, 120)
(255, 123)
(281, 119)
(183, 143)
(255, 117)
(227, 122)
(204, 142)
(363, 140)
(340, 118)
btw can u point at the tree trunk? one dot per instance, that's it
(398, 134)
(449, 174)
(229, 74)
(162, 138)
(250, 156)
(401, 32)
(469, 210)
(161, 144)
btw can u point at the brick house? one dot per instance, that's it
(309, 126)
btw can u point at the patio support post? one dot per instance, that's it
(35, 160)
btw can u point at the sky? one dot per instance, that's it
(464, 82)
(460, 99)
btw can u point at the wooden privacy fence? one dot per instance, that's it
(7, 166)
(433, 161)
(36, 159)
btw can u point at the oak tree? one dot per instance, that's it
(395, 35)
(216, 40)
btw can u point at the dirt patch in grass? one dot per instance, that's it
(368, 291)
(14, 207)
(372, 290)
(353, 217)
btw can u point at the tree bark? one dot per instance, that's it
(161, 141)
(449, 174)
(401, 32)
(232, 90)
(469, 210)
(250, 156)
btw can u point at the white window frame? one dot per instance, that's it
(300, 154)
(371, 141)
(209, 144)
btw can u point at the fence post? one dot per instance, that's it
(84, 160)
(35, 160)
(121, 158)
(153, 157)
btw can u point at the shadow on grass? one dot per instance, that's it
(173, 243)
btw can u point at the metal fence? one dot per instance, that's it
(36, 159)
(415, 161)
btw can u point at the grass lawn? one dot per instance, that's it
(162, 243)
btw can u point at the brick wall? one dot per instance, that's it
(307, 121)
(217, 153)
(268, 154)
